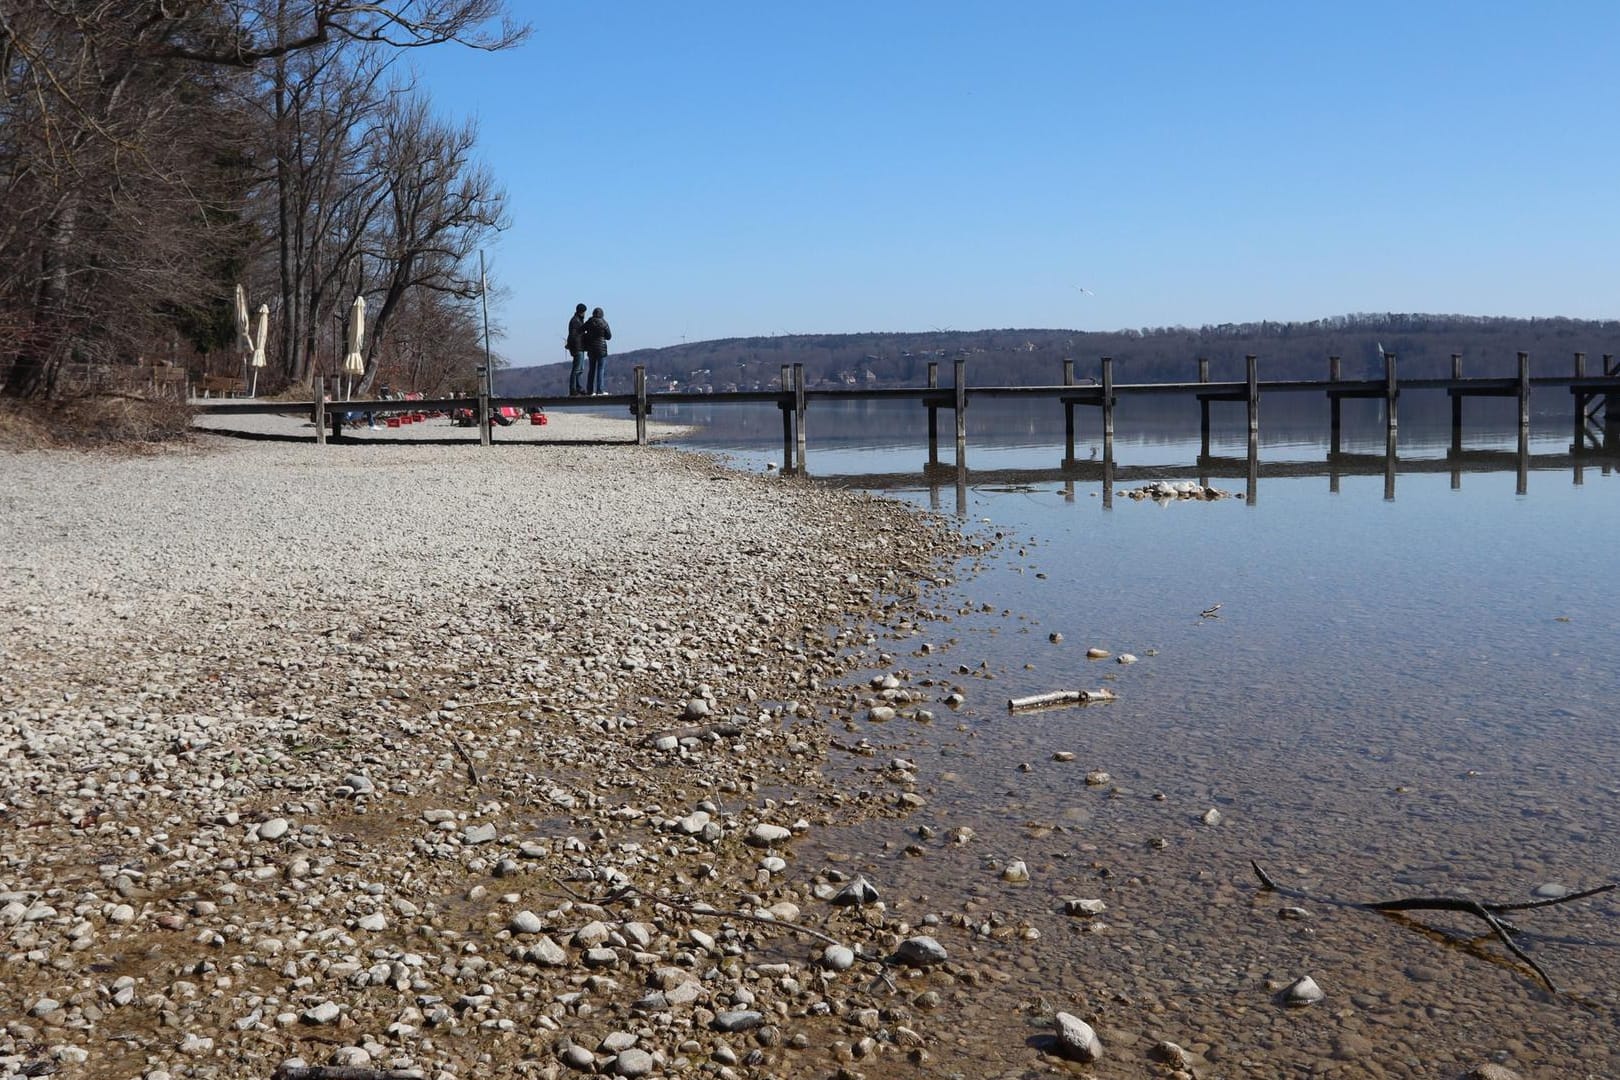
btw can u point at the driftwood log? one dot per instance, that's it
(1490, 914)
(1060, 697)
(698, 731)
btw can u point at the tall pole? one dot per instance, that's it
(486, 416)
(483, 292)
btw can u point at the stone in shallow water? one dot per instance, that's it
(856, 893)
(1550, 890)
(526, 922)
(1075, 1039)
(920, 952)
(764, 835)
(837, 958)
(738, 1020)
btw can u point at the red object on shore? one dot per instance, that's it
(393, 421)
(538, 418)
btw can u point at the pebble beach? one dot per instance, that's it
(447, 762)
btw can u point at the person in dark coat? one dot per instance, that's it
(596, 336)
(576, 351)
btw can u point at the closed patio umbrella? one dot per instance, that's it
(354, 364)
(244, 340)
(260, 332)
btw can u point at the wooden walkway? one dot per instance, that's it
(1594, 398)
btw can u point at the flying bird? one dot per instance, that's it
(1085, 290)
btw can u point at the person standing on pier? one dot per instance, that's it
(596, 335)
(576, 352)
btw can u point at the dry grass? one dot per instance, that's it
(94, 422)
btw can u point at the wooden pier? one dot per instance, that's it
(1595, 403)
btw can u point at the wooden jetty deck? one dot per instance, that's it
(1594, 398)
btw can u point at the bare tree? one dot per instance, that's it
(116, 180)
(120, 176)
(439, 205)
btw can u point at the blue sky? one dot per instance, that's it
(723, 170)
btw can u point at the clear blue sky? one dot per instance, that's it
(722, 170)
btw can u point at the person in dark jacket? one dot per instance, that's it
(576, 351)
(596, 334)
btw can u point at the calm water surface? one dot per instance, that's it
(1397, 697)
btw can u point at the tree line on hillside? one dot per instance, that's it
(1423, 345)
(157, 154)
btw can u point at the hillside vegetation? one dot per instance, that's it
(1296, 350)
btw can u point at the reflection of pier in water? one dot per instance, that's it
(1110, 475)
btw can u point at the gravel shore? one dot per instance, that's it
(456, 761)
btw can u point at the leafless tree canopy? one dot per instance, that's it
(153, 153)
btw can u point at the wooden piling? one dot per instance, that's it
(798, 417)
(1578, 443)
(1253, 375)
(1456, 412)
(1524, 390)
(1068, 415)
(1203, 410)
(961, 413)
(1392, 392)
(320, 412)
(787, 420)
(933, 414)
(1335, 409)
(485, 435)
(1108, 406)
(641, 404)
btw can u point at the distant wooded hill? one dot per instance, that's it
(1295, 350)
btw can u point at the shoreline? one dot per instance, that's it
(342, 758)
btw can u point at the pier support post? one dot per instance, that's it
(1392, 394)
(320, 411)
(933, 414)
(798, 415)
(1108, 406)
(1251, 490)
(1203, 410)
(1335, 411)
(1068, 416)
(485, 435)
(641, 404)
(961, 415)
(1253, 377)
(786, 406)
(1578, 442)
(1524, 391)
(1456, 405)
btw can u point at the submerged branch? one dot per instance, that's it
(1487, 913)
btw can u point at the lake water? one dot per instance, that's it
(1408, 688)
